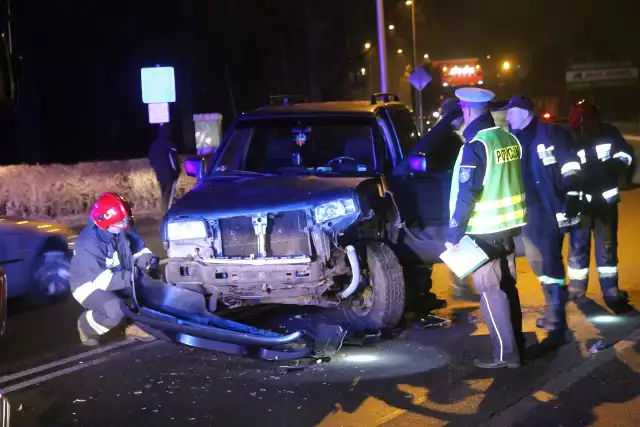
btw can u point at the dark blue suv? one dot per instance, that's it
(310, 204)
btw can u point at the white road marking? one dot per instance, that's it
(65, 361)
(75, 368)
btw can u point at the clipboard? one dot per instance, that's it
(466, 259)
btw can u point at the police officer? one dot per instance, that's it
(551, 175)
(104, 255)
(487, 203)
(605, 155)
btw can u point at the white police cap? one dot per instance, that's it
(474, 96)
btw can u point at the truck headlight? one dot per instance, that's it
(335, 209)
(184, 230)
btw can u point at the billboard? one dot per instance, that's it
(459, 72)
(601, 74)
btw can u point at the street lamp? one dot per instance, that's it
(392, 27)
(367, 46)
(426, 56)
(363, 71)
(400, 51)
(408, 2)
(506, 65)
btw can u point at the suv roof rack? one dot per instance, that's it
(287, 99)
(385, 97)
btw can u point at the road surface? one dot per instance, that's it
(425, 377)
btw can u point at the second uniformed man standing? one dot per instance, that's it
(487, 203)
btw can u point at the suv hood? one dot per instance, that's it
(231, 196)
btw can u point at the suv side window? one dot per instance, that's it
(404, 127)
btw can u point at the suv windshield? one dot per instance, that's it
(345, 146)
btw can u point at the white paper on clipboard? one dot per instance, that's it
(466, 259)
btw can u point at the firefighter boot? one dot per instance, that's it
(556, 320)
(617, 300)
(133, 332)
(555, 317)
(86, 340)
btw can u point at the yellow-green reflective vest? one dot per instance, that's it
(501, 204)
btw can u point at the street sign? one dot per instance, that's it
(578, 76)
(419, 78)
(158, 85)
(158, 112)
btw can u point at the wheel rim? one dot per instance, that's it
(366, 300)
(52, 275)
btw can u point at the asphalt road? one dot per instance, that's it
(425, 377)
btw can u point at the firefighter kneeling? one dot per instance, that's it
(105, 253)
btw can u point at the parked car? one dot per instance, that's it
(35, 256)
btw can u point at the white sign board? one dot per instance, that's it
(419, 78)
(578, 76)
(158, 85)
(158, 113)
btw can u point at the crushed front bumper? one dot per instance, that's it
(180, 315)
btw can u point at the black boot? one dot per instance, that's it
(617, 300)
(556, 319)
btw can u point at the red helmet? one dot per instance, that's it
(111, 210)
(584, 114)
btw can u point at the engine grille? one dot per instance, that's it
(287, 235)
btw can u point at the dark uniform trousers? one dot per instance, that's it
(500, 302)
(102, 314)
(167, 193)
(543, 250)
(601, 220)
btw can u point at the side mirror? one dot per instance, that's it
(3, 301)
(194, 166)
(418, 163)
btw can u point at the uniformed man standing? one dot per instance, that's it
(605, 156)
(551, 176)
(487, 203)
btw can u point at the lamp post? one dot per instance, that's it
(415, 64)
(382, 45)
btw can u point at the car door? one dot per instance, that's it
(422, 197)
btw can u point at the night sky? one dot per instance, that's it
(80, 96)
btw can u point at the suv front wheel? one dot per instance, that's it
(380, 303)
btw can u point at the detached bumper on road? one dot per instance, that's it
(180, 315)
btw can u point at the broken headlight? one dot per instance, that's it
(184, 230)
(335, 209)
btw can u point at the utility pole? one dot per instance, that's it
(382, 46)
(415, 66)
(9, 34)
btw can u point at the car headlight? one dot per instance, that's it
(335, 209)
(183, 230)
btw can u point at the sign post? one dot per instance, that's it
(419, 79)
(158, 91)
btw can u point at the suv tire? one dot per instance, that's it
(386, 288)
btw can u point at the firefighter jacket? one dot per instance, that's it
(103, 261)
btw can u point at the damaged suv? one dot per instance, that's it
(307, 204)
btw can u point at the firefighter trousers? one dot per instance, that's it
(102, 314)
(543, 249)
(496, 282)
(601, 221)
